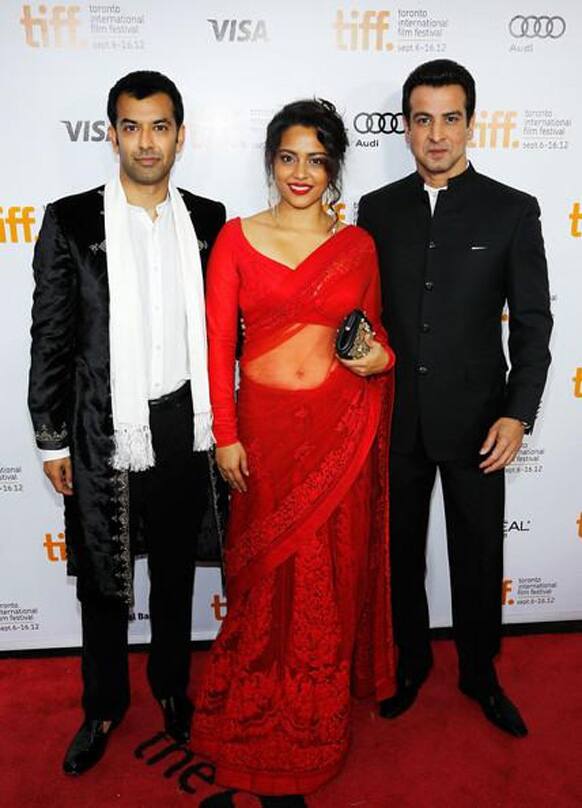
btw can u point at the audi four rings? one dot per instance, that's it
(378, 123)
(537, 27)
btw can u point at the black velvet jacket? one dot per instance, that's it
(445, 280)
(69, 393)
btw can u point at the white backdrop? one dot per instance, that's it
(236, 63)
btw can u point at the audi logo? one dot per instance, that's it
(379, 123)
(537, 27)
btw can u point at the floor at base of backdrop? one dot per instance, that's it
(442, 754)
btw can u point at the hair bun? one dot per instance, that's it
(327, 105)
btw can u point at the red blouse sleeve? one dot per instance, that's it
(222, 291)
(372, 305)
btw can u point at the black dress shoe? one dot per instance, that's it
(498, 709)
(403, 699)
(283, 801)
(87, 747)
(220, 800)
(400, 702)
(177, 712)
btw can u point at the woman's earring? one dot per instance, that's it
(273, 196)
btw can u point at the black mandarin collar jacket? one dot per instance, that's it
(445, 281)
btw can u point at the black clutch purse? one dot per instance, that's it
(351, 336)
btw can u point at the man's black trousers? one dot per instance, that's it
(474, 510)
(169, 501)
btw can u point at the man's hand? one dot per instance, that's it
(502, 443)
(375, 361)
(232, 464)
(60, 473)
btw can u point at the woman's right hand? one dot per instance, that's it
(232, 464)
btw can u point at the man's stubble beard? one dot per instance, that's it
(439, 168)
(144, 177)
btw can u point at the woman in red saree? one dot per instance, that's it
(305, 451)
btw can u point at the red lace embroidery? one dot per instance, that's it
(307, 552)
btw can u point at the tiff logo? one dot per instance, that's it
(86, 130)
(506, 589)
(575, 217)
(16, 225)
(356, 34)
(339, 209)
(495, 132)
(63, 21)
(219, 607)
(239, 30)
(56, 549)
(577, 379)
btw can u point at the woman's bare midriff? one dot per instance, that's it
(301, 362)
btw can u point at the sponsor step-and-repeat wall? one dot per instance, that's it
(236, 63)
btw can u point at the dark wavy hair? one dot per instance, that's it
(141, 84)
(322, 116)
(440, 73)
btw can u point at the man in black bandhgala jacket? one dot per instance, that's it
(454, 247)
(119, 401)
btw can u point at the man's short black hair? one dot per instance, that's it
(141, 84)
(440, 73)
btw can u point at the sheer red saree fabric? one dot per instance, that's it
(307, 549)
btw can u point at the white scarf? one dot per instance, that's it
(133, 440)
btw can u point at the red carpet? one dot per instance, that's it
(442, 754)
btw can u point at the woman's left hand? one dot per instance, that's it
(376, 361)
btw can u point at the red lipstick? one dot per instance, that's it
(298, 188)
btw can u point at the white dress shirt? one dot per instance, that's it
(433, 195)
(162, 302)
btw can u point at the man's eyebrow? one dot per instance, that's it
(443, 114)
(158, 120)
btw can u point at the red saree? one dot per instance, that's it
(307, 549)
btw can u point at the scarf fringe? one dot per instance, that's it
(203, 437)
(133, 448)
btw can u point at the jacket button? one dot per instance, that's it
(422, 369)
(428, 285)
(425, 328)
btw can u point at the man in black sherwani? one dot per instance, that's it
(119, 402)
(454, 246)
